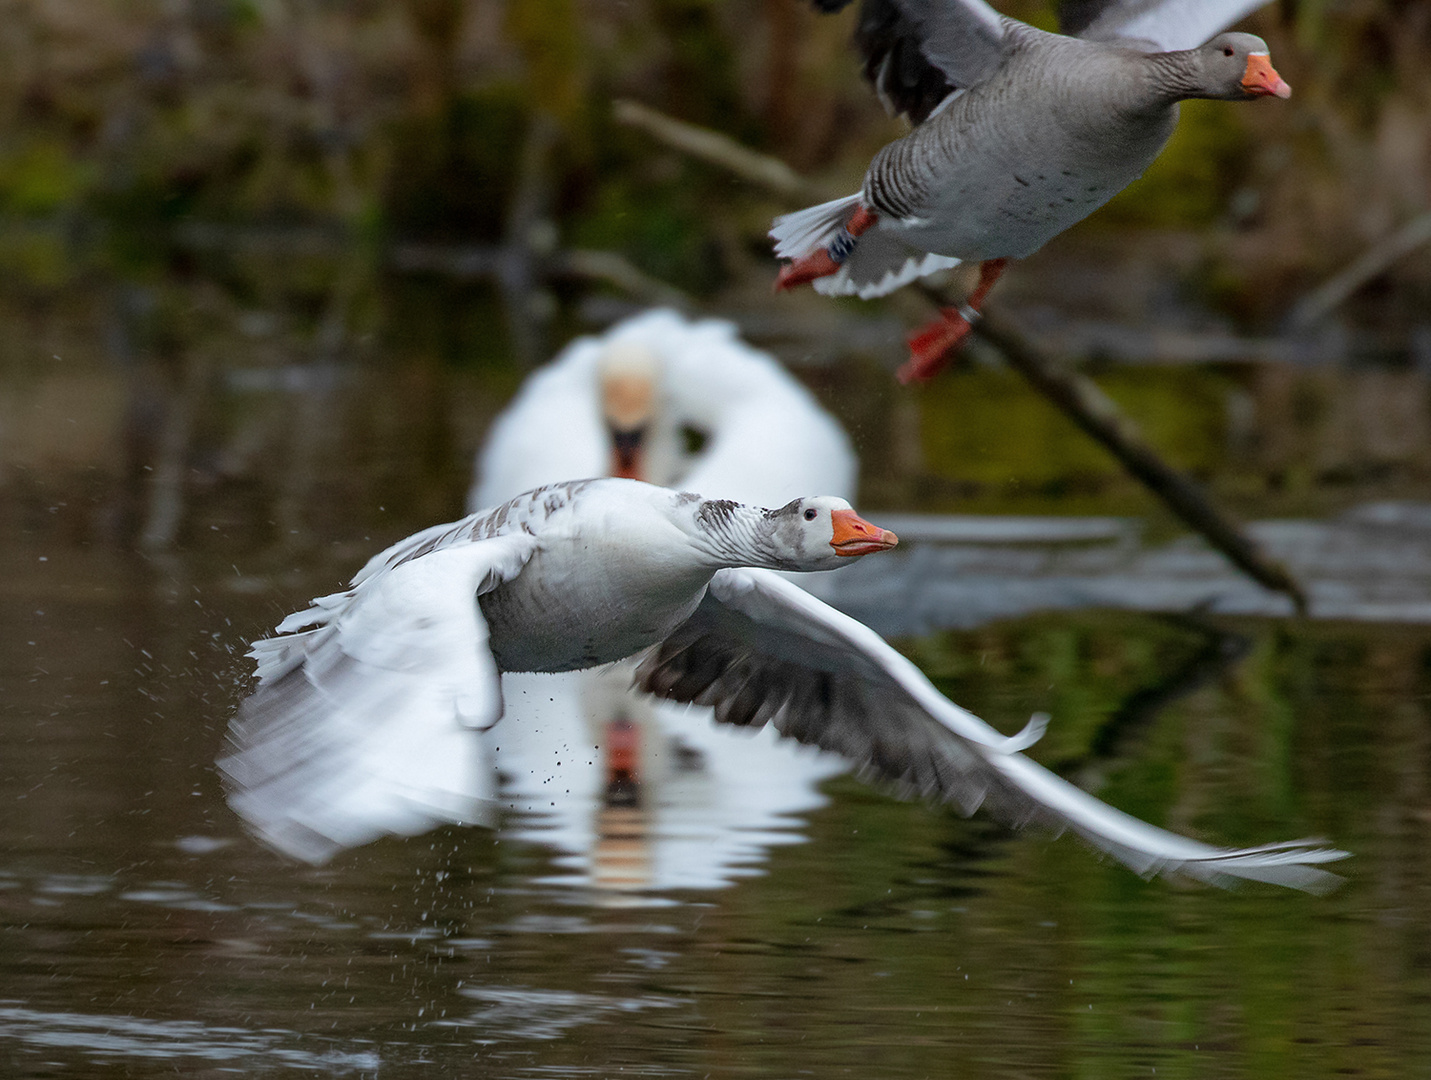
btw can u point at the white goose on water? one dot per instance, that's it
(635, 792)
(586, 572)
(628, 403)
(1020, 134)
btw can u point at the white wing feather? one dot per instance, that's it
(775, 601)
(361, 725)
(876, 269)
(763, 651)
(799, 233)
(879, 264)
(1172, 25)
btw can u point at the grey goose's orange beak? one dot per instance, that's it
(1261, 78)
(856, 536)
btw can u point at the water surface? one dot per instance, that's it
(187, 458)
(145, 934)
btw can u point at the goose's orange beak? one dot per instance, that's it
(628, 402)
(856, 536)
(628, 459)
(1261, 79)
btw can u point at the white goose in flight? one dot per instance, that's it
(583, 573)
(632, 792)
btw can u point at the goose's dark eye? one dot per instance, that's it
(811, 514)
(1227, 50)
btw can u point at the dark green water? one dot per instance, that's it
(143, 934)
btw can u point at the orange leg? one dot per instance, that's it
(804, 270)
(933, 346)
(826, 260)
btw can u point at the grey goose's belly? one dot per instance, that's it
(986, 183)
(1008, 216)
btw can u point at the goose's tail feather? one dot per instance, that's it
(797, 235)
(877, 264)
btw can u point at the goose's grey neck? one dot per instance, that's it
(1176, 76)
(734, 534)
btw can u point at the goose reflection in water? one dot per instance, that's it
(636, 794)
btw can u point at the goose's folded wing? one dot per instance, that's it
(917, 52)
(760, 650)
(1169, 24)
(362, 725)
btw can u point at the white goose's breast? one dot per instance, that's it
(547, 620)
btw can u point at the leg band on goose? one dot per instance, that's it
(825, 261)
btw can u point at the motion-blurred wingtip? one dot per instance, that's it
(1031, 733)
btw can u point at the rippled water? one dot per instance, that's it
(142, 933)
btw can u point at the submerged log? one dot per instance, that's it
(1082, 401)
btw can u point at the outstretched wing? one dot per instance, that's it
(918, 52)
(361, 725)
(1170, 25)
(760, 650)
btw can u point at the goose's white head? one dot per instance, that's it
(819, 532)
(629, 374)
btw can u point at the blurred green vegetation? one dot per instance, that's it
(194, 187)
(407, 121)
(969, 416)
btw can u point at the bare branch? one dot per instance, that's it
(718, 149)
(617, 270)
(1322, 300)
